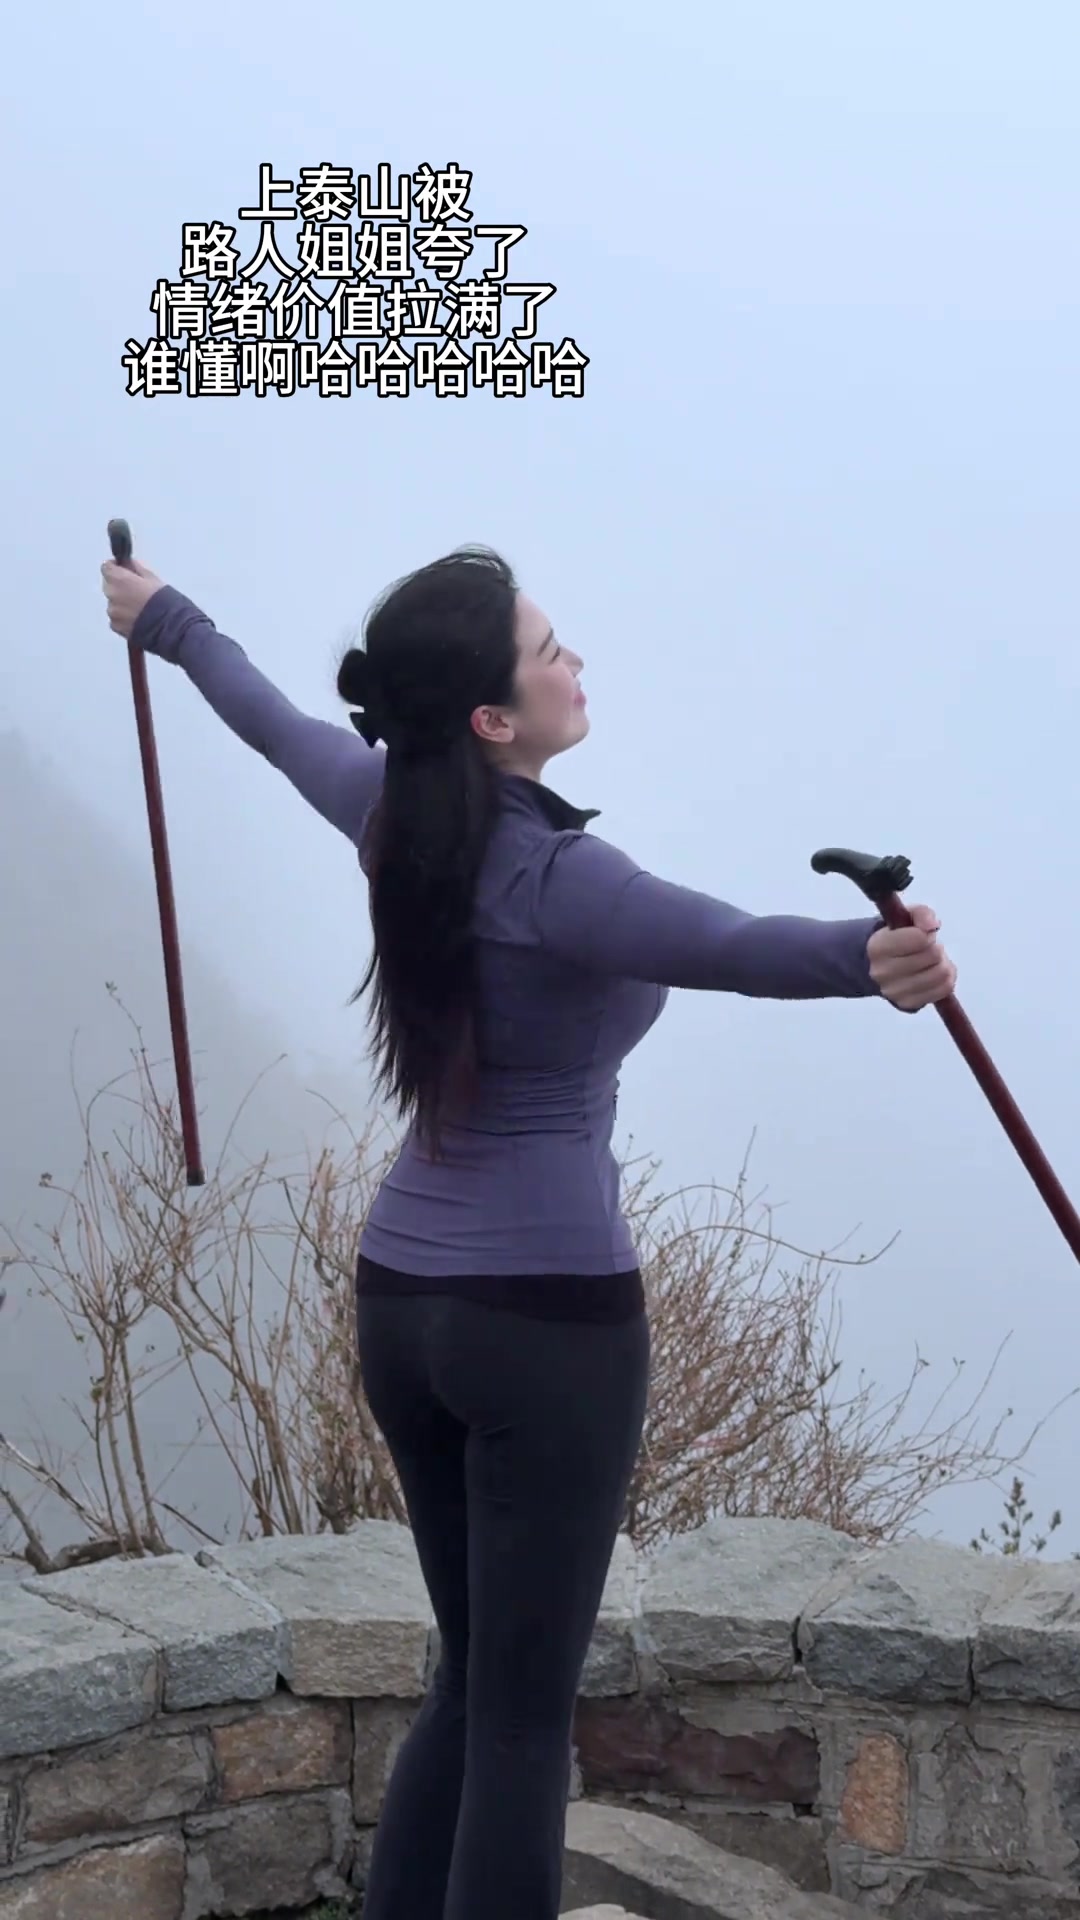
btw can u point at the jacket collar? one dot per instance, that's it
(559, 812)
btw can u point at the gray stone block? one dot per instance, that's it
(722, 1604)
(380, 1726)
(282, 1852)
(657, 1866)
(145, 1879)
(217, 1644)
(144, 1778)
(900, 1622)
(975, 1799)
(66, 1677)
(357, 1619)
(950, 1893)
(794, 1845)
(1028, 1643)
(602, 1913)
(611, 1666)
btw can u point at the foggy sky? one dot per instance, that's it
(813, 529)
(82, 919)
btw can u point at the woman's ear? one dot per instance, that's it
(491, 726)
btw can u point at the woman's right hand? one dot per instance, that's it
(127, 590)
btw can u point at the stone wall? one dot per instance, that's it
(211, 1735)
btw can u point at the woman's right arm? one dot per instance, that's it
(334, 771)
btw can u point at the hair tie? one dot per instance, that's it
(417, 733)
(370, 725)
(355, 683)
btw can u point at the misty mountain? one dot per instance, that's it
(78, 913)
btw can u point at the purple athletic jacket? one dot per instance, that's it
(577, 950)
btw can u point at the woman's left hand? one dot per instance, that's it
(908, 966)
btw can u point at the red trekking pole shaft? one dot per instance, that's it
(883, 881)
(120, 542)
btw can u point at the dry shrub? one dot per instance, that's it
(749, 1409)
(747, 1412)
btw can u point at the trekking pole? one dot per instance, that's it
(883, 881)
(121, 544)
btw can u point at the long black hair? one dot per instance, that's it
(437, 644)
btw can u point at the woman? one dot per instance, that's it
(504, 1344)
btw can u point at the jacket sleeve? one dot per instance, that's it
(594, 907)
(334, 770)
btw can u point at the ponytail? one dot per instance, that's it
(439, 645)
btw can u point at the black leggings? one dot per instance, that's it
(514, 1439)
